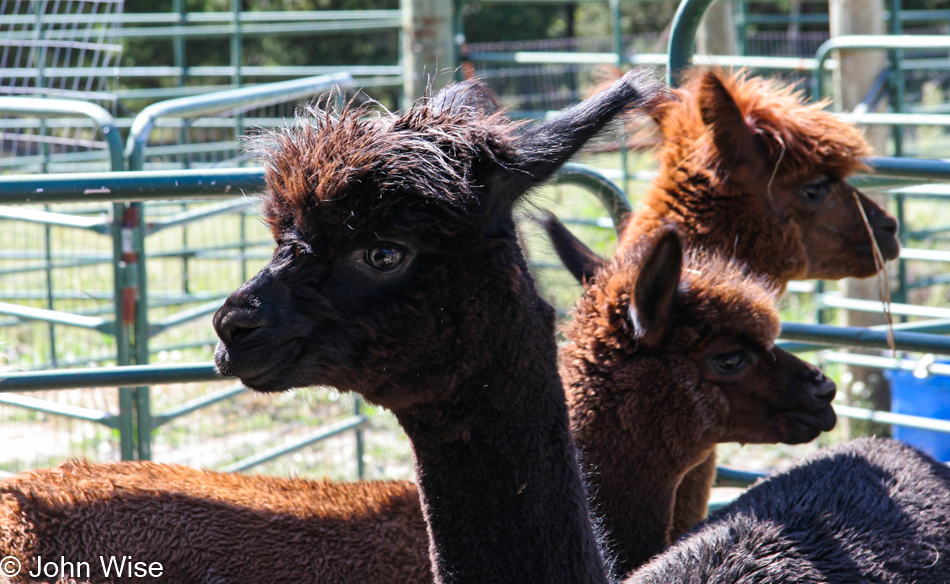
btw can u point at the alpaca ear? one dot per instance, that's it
(579, 260)
(653, 294)
(734, 138)
(466, 95)
(544, 146)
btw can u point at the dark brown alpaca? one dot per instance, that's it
(670, 355)
(639, 430)
(398, 275)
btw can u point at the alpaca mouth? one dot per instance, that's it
(267, 374)
(806, 426)
(888, 244)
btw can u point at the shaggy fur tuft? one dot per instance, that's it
(800, 138)
(714, 290)
(386, 160)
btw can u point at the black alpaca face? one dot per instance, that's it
(386, 239)
(377, 309)
(396, 250)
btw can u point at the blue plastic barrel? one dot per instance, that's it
(928, 397)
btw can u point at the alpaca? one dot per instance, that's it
(211, 527)
(767, 400)
(871, 510)
(749, 169)
(398, 275)
(665, 344)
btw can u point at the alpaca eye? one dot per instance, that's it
(387, 257)
(728, 363)
(818, 190)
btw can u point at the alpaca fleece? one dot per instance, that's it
(215, 528)
(871, 510)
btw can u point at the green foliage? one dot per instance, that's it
(498, 22)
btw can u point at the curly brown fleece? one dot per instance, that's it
(212, 527)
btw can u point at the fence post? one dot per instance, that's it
(123, 346)
(429, 46)
(854, 76)
(142, 398)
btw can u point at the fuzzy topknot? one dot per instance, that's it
(801, 138)
(330, 152)
(730, 300)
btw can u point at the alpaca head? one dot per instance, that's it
(683, 343)
(396, 254)
(773, 160)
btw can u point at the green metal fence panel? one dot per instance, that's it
(48, 108)
(212, 103)
(869, 42)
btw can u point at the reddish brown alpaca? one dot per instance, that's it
(749, 169)
(639, 428)
(215, 528)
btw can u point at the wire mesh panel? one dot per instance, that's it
(532, 90)
(212, 141)
(64, 49)
(55, 259)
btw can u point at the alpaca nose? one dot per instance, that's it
(235, 324)
(879, 219)
(888, 224)
(824, 389)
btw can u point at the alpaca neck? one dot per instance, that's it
(632, 462)
(496, 467)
